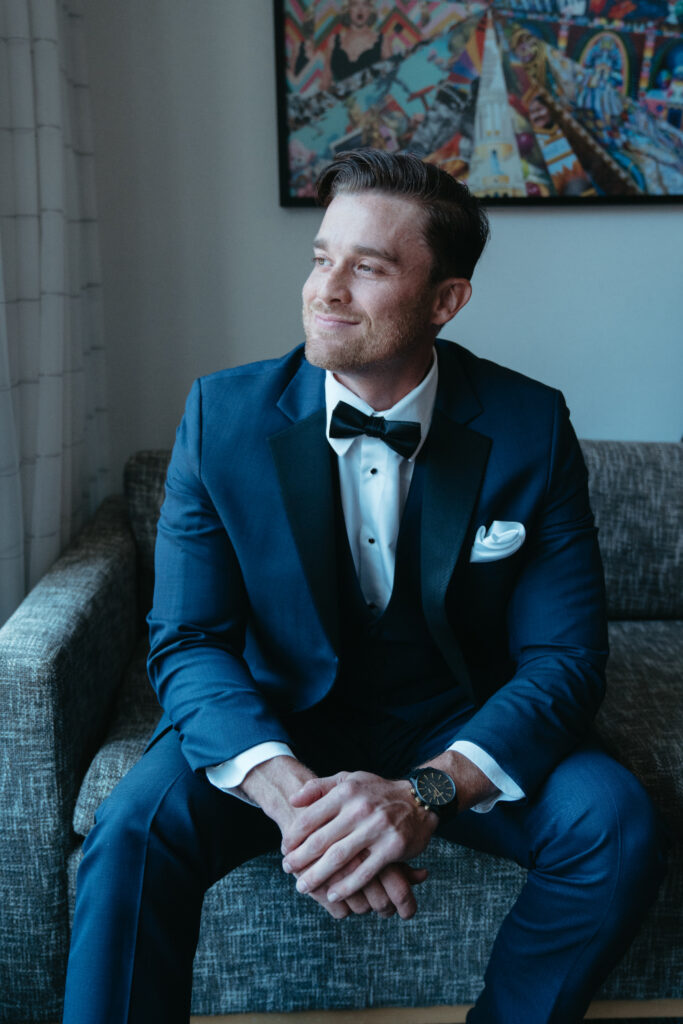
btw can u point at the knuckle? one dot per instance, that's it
(345, 789)
(403, 894)
(338, 854)
(365, 876)
(363, 807)
(317, 846)
(395, 846)
(301, 828)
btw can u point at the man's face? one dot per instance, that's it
(368, 303)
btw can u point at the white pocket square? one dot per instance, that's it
(500, 541)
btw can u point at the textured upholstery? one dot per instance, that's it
(133, 720)
(143, 485)
(77, 708)
(62, 655)
(637, 498)
(641, 718)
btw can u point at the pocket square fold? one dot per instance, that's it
(500, 541)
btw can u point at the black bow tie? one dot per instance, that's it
(403, 436)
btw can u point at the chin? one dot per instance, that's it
(320, 354)
(325, 350)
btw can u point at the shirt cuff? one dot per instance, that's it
(229, 775)
(507, 789)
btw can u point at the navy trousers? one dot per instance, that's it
(590, 839)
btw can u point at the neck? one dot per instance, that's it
(380, 387)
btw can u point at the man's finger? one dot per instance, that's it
(310, 819)
(336, 857)
(358, 903)
(359, 878)
(397, 881)
(338, 911)
(415, 875)
(298, 858)
(314, 789)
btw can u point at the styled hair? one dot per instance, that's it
(456, 227)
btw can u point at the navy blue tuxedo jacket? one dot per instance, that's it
(244, 625)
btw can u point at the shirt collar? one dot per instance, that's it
(417, 405)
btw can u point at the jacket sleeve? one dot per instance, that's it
(557, 630)
(198, 618)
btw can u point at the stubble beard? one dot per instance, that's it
(371, 350)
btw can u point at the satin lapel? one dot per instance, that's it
(456, 460)
(302, 457)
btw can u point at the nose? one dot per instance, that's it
(333, 285)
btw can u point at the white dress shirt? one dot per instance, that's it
(374, 482)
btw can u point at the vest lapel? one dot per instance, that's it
(302, 458)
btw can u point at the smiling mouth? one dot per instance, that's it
(329, 318)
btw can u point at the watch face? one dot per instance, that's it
(434, 787)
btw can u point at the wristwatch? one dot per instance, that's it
(434, 790)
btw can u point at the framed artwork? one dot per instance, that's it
(528, 101)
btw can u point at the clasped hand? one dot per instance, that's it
(348, 844)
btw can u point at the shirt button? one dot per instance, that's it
(371, 540)
(373, 471)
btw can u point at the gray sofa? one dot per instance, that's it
(76, 711)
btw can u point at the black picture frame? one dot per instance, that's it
(531, 102)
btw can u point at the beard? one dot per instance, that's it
(364, 348)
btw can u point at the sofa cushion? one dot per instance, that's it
(278, 952)
(641, 719)
(636, 492)
(134, 719)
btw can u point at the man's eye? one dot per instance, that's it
(319, 261)
(366, 268)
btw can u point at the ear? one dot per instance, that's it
(451, 295)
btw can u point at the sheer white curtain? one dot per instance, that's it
(53, 431)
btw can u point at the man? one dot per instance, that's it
(378, 614)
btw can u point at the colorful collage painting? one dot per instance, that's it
(525, 100)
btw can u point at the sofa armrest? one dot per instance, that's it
(62, 656)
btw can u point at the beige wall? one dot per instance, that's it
(203, 269)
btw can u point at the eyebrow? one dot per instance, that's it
(361, 250)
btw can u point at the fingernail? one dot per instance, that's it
(286, 866)
(302, 885)
(332, 897)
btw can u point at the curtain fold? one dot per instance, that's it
(53, 423)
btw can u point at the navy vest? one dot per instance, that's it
(393, 682)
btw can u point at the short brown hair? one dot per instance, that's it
(456, 226)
